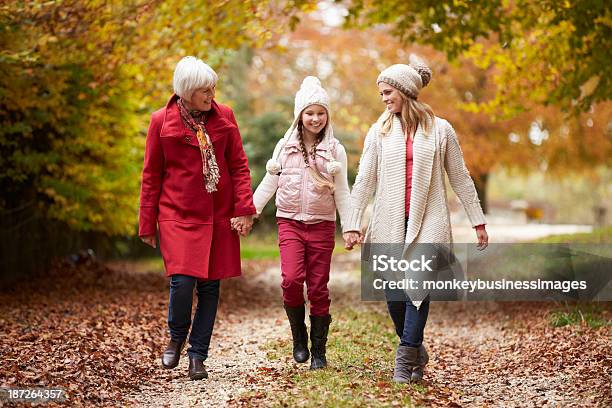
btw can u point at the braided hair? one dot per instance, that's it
(316, 175)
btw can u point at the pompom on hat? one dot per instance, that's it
(310, 93)
(409, 79)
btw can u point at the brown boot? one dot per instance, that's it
(196, 369)
(405, 360)
(421, 361)
(172, 354)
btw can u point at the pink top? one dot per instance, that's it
(408, 173)
(409, 161)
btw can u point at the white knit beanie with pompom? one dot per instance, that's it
(311, 93)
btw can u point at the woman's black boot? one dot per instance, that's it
(296, 317)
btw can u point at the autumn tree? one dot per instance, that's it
(544, 52)
(515, 71)
(79, 80)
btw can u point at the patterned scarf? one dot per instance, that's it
(196, 121)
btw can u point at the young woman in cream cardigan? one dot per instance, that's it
(405, 155)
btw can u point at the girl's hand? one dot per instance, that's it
(483, 238)
(150, 240)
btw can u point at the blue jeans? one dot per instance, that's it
(179, 312)
(409, 321)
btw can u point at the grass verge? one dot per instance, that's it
(265, 247)
(587, 314)
(590, 314)
(597, 236)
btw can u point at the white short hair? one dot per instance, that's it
(192, 73)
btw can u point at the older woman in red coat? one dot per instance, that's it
(196, 186)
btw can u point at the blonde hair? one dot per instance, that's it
(413, 113)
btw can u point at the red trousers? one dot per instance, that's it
(306, 252)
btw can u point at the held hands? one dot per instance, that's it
(352, 238)
(242, 224)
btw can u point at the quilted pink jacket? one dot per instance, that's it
(297, 195)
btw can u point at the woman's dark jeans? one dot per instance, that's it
(179, 312)
(409, 321)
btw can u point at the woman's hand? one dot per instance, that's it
(483, 238)
(150, 240)
(351, 238)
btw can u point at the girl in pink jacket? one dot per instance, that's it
(308, 174)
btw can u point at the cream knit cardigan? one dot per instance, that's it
(382, 174)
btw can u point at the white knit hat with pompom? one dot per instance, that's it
(311, 93)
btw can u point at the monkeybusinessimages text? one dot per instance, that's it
(384, 263)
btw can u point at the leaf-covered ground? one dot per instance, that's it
(98, 333)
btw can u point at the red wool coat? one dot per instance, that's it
(195, 235)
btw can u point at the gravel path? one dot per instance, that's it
(250, 315)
